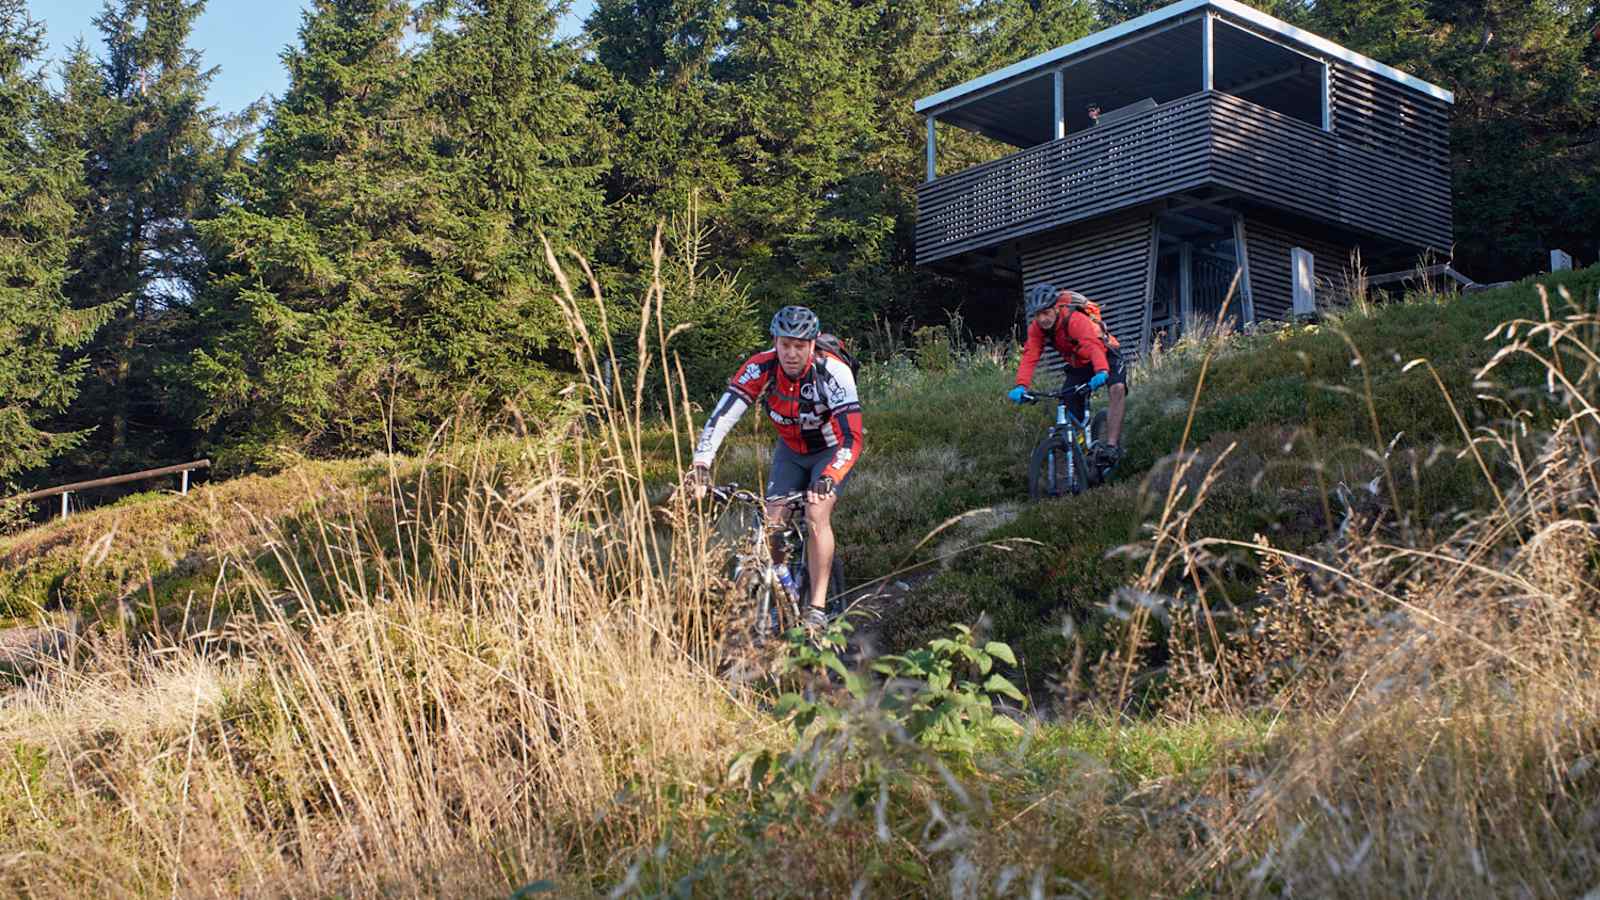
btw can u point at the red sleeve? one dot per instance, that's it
(750, 379)
(1085, 334)
(1031, 350)
(849, 434)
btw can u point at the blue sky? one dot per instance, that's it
(241, 37)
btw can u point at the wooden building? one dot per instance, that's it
(1226, 139)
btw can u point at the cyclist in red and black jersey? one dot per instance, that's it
(810, 396)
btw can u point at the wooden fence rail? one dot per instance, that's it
(66, 490)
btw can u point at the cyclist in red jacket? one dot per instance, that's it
(1071, 322)
(810, 395)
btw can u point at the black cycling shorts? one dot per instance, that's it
(792, 471)
(1116, 373)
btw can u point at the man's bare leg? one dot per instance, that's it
(819, 545)
(777, 517)
(1119, 404)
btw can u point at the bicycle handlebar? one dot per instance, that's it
(1082, 390)
(733, 493)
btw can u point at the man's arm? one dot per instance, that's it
(747, 383)
(1086, 335)
(844, 407)
(1032, 349)
(729, 410)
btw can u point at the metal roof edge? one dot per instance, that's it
(1322, 44)
(1042, 60)
(1255, 17)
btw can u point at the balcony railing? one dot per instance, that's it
(1204, 138)
(1077, 177)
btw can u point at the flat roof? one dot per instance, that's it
(1044, 62)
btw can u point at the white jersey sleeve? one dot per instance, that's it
(729, 410)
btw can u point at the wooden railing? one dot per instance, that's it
(182, 470)
(1078, 177)
(1202, 139)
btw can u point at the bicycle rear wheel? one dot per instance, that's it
(1056, 469)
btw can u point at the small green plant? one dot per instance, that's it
(942, 695)
(949, 709)
(935, 352)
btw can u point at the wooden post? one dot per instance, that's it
(933, 144)
(1206, 62)
(1146, 338)
(1304, 273)
(183, 488)
(64, 496)
(1560, 261)
(1061, 104)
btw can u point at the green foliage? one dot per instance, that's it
(934, 351)
(706, 313)
(933, 694)
(39, 184)
(794, 123)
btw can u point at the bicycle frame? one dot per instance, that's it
(755, 554)
(1071, 430)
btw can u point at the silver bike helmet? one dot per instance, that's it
(1039, 297)
(796, 322)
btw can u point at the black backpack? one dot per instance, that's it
(830, 344)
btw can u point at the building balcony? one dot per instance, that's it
(1209, 142)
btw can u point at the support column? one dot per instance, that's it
(1153, 265)
(1060, 81)
(1185, 285)
(1327, 98)
(1206, 63)
(64, 496)
(933, 148)
(1246, 297)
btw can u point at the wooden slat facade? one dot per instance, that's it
(1383, 169)
(1271, 268)
(1108, 263)
(1083, 176)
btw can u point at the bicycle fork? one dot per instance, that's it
(1065, 428)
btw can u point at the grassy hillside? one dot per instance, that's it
(1300, 656)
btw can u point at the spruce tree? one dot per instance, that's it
(314, 239)
(384, 265)
(40, 181)
(151, 164)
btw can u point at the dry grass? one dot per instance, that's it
(509, 686)
(509, 675)
(1436, 690)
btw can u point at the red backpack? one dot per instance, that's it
(1078, 303)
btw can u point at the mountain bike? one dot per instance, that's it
(1059, 464)
(755, 575)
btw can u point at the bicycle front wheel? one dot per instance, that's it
(759, 604)
(1056, 469)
